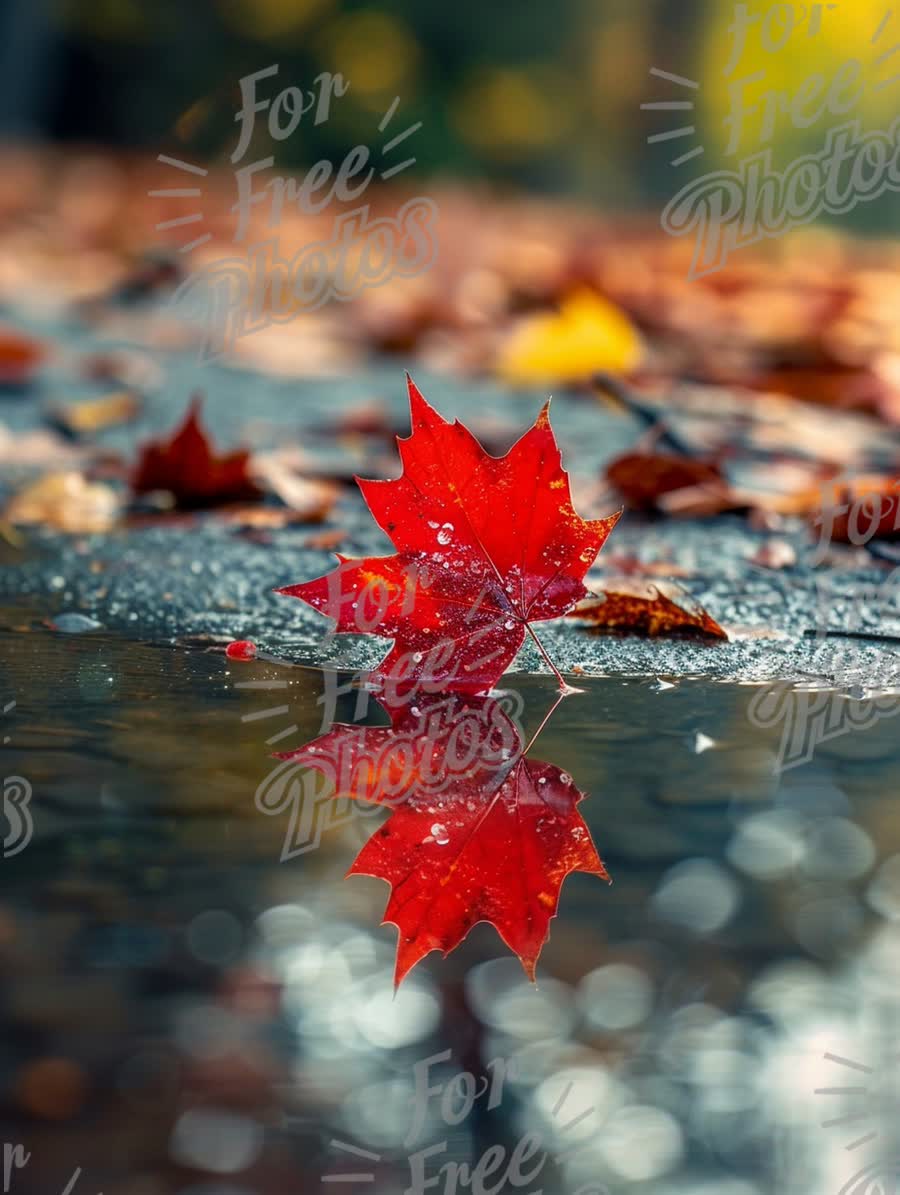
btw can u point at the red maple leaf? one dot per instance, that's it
(477, 833)
(187, 467)
(485, 547)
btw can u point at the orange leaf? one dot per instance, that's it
(652, 616)
(862, 509)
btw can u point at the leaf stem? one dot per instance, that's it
(564, 688)
(549, 714)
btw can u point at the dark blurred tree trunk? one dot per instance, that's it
(28, 66)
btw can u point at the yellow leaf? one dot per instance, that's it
(587, 335)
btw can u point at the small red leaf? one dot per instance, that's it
(187, 467)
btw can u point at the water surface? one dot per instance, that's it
(183, 1011)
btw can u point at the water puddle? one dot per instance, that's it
(197, 998)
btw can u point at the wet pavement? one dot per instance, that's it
(177, 579)
(188, 1011)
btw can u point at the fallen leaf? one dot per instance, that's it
(477, 831)
(860, 509)
(41, 448)
(186, 466)
(312, 345)
(310, 498)
(587, 335)
(20, 356)
(834, 386)
(395, 320)
(654, 615)
(485, 547)
(65, 502)
(93, 415)
(9, 534)
(260, 517)
(641, 478)
(701, 501)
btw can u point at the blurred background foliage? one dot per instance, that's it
(521, 92)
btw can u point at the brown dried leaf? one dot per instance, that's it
(618, 611)
(642, 478)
